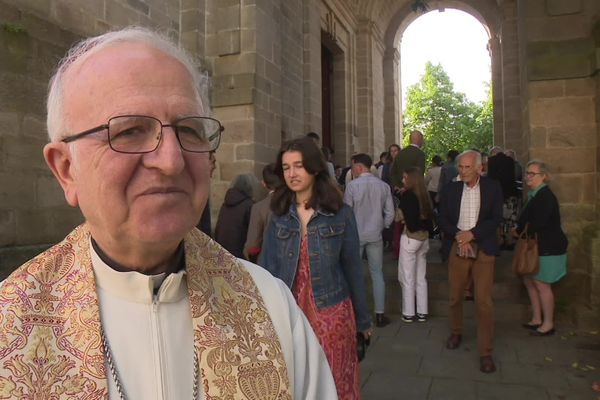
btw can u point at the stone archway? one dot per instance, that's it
(503, 48)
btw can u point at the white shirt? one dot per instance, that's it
(469, 207)
(151, 340)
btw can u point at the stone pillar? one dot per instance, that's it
(511, 92)
(311, 32)
(392, 120)
(496, 56)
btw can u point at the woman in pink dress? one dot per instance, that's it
(312, 245)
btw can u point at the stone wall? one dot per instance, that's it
(562, 98)
(34, 35)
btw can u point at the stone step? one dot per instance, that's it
(511, 302)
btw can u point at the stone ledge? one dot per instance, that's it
(13, 257)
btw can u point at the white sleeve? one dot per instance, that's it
(309, 373)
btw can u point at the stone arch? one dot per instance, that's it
(491, 17)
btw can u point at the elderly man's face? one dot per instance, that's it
(468, 169)
(132, 199)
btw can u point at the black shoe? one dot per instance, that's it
(540, 333)
(421, 317)
(381, 320)
(530, 326)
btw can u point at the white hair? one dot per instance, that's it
(55, 120)
(478, 158)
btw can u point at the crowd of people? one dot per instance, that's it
(137, 292)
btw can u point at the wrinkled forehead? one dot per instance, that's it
(123, 72)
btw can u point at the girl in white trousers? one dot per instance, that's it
(414, 244)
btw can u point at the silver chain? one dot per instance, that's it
(115, 375)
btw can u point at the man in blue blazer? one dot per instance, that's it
(470, 213)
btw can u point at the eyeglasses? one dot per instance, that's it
(137, 134)
(532, 174)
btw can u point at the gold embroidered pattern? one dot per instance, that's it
(50, 346)
(49, 326)
(240, 353)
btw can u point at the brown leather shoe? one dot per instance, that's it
(486, 364)
(453, 341)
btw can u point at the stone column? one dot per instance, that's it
(392, 117)
(496, 56)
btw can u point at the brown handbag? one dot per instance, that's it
(526, 260)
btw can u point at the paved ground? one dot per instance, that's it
(410, 361)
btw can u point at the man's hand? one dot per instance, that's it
(464, 237)
(465, 250)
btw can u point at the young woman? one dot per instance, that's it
(417, 214)
(312, 245)
(541, 214)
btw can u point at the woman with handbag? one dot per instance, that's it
(312, 245)
(414, 243)
(541, 216)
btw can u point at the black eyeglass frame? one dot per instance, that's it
(173, 125)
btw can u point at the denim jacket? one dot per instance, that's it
(336, 269)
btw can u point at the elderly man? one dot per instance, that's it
(410, 156)
(136, 303)
(470, 213)
(371, 200)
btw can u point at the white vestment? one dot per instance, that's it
(150, 335)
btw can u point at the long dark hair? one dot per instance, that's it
(325, 195)
(416, 184)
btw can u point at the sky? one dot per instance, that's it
(454, 39)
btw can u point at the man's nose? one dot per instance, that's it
(168, 157)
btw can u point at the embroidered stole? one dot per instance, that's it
(50, 345)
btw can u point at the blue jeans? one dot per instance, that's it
(375, 260)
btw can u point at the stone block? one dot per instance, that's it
(228, 42)
(35, 6)
(139, 6)
(566, 111)
(48, 192)
(580, 87)
(225, 114)
(64, 220)
(35, 127)
(557, 28)
(17, 189)
(229, 170)
(544, 89)
(9, 124)
(568, 188)
(248, 40)
(538, 137)
(120, 15)
(24, 154)
(9, 13)
(235, 96)
(561, 7)
(16, 49)
(568, 160)
(189, 19)
(19, 92)
(255, 152)
(34, 226)
(236, 64)
(229, 18)
(78, 16)
(560, 59)
(239, 131)
(590, 190)
(572, 136)
(8, 227)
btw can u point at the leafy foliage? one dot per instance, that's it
(447, 118)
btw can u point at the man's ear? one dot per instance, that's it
(59, 159)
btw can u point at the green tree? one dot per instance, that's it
(447, 118)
